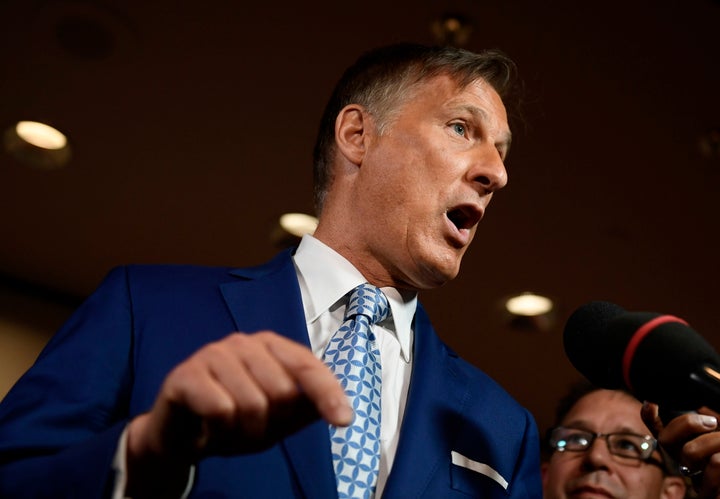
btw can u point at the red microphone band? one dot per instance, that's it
(639, 335)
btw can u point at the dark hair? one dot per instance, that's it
(381, 78)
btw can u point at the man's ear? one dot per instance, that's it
(351, 127)
(673, 487)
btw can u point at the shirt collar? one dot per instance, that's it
(328, 277)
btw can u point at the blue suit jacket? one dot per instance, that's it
(60, 424)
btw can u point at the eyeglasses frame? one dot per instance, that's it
(593, 436)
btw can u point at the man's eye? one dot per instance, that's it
(627, 444)
(578, 439)
(459, 128)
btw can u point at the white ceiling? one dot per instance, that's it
(192, 126)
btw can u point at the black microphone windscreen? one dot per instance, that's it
(661, 357)
(656, 357)
(587, 345)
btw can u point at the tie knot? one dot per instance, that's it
(369, 301)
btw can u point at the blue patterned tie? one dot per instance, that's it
(353, 356)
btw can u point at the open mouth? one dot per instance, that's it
(465, 216)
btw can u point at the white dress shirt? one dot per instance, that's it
(325, 278)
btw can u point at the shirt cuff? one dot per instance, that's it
(120, 469)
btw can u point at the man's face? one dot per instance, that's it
(425, 183)
(597, 474)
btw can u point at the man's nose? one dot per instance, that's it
(488, 172)
(598, 454)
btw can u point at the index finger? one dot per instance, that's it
(314, 378)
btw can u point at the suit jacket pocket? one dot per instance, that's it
(475, 484)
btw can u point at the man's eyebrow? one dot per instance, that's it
(635, 431)
(576, 424)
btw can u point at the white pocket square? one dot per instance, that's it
(482, 468)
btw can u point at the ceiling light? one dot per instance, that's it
(38, 145)
(298, 224)
(529, 305)
(291, 227)
(530, 312)
(41, 135)
(452, 29)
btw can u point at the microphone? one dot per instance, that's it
(657, 358)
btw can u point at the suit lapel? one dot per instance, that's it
(268, 298)
(428, 427)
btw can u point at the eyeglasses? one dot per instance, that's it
(629, 445)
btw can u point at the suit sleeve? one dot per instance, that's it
(528, 483)
(61, 422)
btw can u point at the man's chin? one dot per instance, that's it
(435, 276)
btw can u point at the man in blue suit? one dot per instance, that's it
(182, 381)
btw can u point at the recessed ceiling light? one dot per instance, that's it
(38, 145)
(452, 29)
(41, 135)
(298, 224)
(291, 227)
(529, 305)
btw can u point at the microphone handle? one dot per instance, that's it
(708, 383)
(704, 389)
